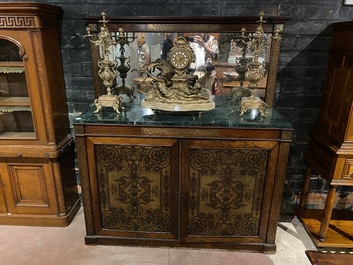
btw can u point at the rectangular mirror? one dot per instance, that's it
(149, 42)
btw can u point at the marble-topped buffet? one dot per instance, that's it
(210, 179)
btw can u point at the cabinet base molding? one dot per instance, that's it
(114, 241)
(41, 220)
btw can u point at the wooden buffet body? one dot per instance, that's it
(37, 173)
(330, 150)
(212, 181)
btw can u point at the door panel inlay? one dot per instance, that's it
(134, 185)
(226, 191)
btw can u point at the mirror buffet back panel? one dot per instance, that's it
(147, 40)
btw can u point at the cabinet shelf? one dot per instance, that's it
(21, 102)
(11, 67)
(11, 104)
(14, 108)
(338, 233)
(22, 135)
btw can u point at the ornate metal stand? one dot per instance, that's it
(257, 42)
(241, 67)
(107, 68)
(124, 67)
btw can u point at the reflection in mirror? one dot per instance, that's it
(230, 60)
(153, 37)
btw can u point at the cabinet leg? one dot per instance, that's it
(326, 217)
(305, 188)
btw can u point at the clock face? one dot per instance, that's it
(179, 59)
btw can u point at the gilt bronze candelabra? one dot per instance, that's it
(123, 39)
(241, 67)
(107, 68)
(257, 42)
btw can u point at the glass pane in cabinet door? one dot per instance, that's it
(15, 109)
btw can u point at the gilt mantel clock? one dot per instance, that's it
(174, 88)
(181, 56)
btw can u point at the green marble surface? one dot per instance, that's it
(225, 114)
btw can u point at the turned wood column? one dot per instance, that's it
(326, 217)
(305, 188)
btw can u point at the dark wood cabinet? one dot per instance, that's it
(213, 181)
(37, 174)
(330, 150)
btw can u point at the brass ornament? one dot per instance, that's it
(123, 39)
(107, 68)
(184, 27)
(179, 131)
(174, 88)
(257, 42)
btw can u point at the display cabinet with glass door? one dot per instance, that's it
(15, 108)
(37, 173)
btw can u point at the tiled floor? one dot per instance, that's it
(22, 245)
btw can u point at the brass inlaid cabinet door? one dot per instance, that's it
(224, 189)
(134, 186)
(224, 197)
(174, 189)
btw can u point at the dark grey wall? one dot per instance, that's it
(303, 58)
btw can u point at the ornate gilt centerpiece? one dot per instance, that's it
(174, 89)
(123, 39)
(241, 68)
(257, 42)
(107, 68)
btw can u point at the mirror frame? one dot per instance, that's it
(191, 24)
